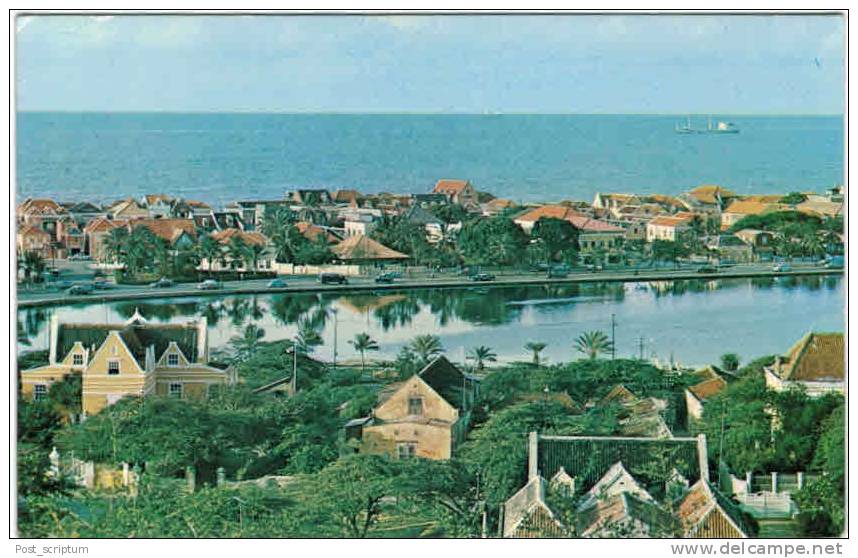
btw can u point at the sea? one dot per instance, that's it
(221, 157)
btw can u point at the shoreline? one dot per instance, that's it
(602, 277)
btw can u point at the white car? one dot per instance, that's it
(208, 285)
(781, 267)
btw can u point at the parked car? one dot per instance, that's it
(333, 278)
(61, 285)
(558, 272)
(592, 267)
(385, 277)
(276, 284)
(161, 283)
(781, 267)
(208, 285)
(483, 277)
(79, 290)
(102, 284)
(834, 262)
(707, 269)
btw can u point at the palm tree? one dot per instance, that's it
(593, 343)
(208, 249)
(254, 253)
(535, 347)
(308, 337)
(481, 355)
(426, 346)
(114, 244)
(363, 343)
(245, 345)
(237, 252)
(730, 362)
(33, 264)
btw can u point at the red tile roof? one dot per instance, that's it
(248, 237)
(40, 207)
(360, 247)
(549, 212)
(101, 224)
(815, 357)
(168, 229)
(33, 230)
(708, 388)
(588, 224)
(449, 186)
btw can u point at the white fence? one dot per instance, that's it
(292, 269)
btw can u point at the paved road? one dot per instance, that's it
(296, 284)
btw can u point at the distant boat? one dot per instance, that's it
(719, 128)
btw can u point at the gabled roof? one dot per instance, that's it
(33, 230)
(82, 207)
(549, 212)
(708, 388)
(526, 514)
(618, 394)
(136, 336)
(588, 224)
(752, 207)
(626, 516)
(419, 216)
(450, 186)
(499, 204)
(616, 480)
(102, 224)
(248, 237)
(150, 199)
(447, 379)
(122, 205)
(709, 193)
(347, 196)
(41, 206)
(361, 248)
(697, 507)
(167, 229)
(815, 357)
(588, 458)
(665, 221)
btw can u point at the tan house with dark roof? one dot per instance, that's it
(135, 358)
(127, 209)
(817, 362)
(711, 384)
(425, 416)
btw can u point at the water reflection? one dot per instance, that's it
(695, 321)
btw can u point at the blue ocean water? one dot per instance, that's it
(222, 157)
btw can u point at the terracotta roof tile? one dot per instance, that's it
(816, 357)
(449, 186)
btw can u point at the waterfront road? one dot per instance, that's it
(305, 284)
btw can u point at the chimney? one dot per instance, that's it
(532, 448)
(202, 340)
(52, 338)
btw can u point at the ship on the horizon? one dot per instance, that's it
(719, 128)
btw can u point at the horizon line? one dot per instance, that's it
(487, 112)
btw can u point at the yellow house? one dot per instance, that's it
(425, 416)
(134, 358)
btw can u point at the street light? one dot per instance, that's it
(294, 350)
(334, 311)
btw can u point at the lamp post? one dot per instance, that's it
(335, 312)
(294, 381)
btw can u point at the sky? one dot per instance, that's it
(473, 64)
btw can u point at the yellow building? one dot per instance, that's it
(425, 416)
(134, 358)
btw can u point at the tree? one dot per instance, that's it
(209, 250)
(493, 241)
(669, 251)
(482, 354)
(793, 198)
(254, 254)
(593, 343)
(244, 346)
(351, 490)
(535, 347)
(558, 236)
(426, 346)
(730, 362)
(114, 244)
(236, 250)
(33, 264)
(308, 337)
(363, 343)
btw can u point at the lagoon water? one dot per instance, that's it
(692, 321)
(222, 157)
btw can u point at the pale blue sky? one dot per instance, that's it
(586, 64)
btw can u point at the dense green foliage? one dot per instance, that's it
(492, 241)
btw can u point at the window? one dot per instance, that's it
(77, 359)
(176, 390)
(40, 392)
(112, 367)
(406, 450)
(172, 359)
(415, 405)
